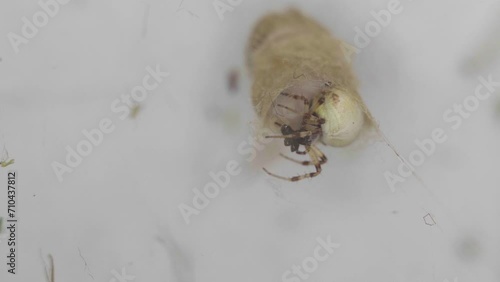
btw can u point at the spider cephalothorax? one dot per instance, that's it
(295, 142)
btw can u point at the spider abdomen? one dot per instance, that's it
(344, 119)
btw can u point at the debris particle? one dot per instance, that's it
(233, 80)
(49, 269)
(4, 159)
(6, 164)
(429, 220)
(86, 269)
(134, 111)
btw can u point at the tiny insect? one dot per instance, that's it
(304, 88)
(4, 159)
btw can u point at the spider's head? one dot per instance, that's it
(344, 117)
(286, 129)
(294, 142)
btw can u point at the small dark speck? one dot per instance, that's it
(233, 80)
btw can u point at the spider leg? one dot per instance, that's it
(300, 152)
(296, 97)
(322, 157)
(312, 119)
(322, 160)
(315, 161)
(278, 124)
(312, 116)
(288, 108)
(319, 102)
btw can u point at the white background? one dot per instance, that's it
(119, 208)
